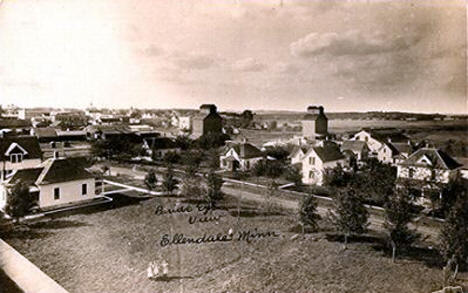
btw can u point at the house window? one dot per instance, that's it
(247, 165)
(433, 174)
(16, 158)
(311, 174)
(366, 139)
(84, 189)
(56, 193)
(312, 160)
(410, 173)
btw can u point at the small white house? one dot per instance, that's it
(317, 160)
(297, 154)
(57, 181)
(242, 156)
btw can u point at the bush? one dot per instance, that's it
(272, 169)
(171, 157)
(308, 214)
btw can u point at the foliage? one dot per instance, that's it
(453, 235)
(456, 187)
(151, 179)
(115, 148)
(272, 190)
(169, 182)
(308, 214)
(398, 214)
(294, 175)
(171, 157)
(277, 152)
(212, 140)
(338, 177)
(213, 161)
(214, 193)
(272, 169)
(183, 142)
(349, 215)
(191, 186)
(19, 201)
(192, 158)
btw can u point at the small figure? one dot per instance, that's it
(152, 270)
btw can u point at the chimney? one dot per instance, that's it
(56, 155)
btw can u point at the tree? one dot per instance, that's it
(171, 157)
(294, 175)
(308, 214)
(19, 201)
(214, 193)
(246, 118)
(270, 194)
(398, 214)
(151, 180)
(453, 235)
(183, 142)
(456, 187)
(337, 177)
(349, 215)
(169, 182)
(191, 186)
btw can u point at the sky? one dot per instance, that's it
(353, 55)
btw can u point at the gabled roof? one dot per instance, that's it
(29, 143)
(61, 170)
(327, 153)
(354, 145)
(28, 176)
(246, 150)
(297, 149)
(402, 147)
(14, 123)
(438, 159)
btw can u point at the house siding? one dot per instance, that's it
(318, 168)
(69, 192)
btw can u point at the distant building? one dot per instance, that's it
(317, 160)
(241, 156)
(387, 145)
(159, 146)
(54, 182)
(359, 148)
(28, 114)
(207, 121)
(17, 153)
(185, 123)
(315, 123)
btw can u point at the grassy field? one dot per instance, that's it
(107, 249)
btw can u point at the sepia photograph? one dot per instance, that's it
(233, 146)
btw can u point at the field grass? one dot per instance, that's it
(108, 250)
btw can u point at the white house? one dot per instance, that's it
(387, 145)
(185, 123)
(54, 182)
(317, 160)
(359, 148)
(18, 152)
(297, 154)
(242, 156)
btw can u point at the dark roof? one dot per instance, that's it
(438, 159)
(45, 132)
(247, 151)
(28, 176)
(14, 123)
(62, 170)
(402, 147)
(329, 153)
(29, 143)
(160, 143)
(393, 135)
(353, 145)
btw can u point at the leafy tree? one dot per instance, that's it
(212, 140)
(272, 169)
(278, 153)
(349, 215)
(214, 193)
(294, 175)
(19, 201)
(398, 214)
(337, 177)
(169, 182)
(183, 142)
(151, 179)
(308, 214)
(192, 158)
(171, 157)
(271, 192)
(456, 187)
(191, 186)
(453, 235)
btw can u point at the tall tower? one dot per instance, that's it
(315, 123)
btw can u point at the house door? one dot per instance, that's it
(235, 165)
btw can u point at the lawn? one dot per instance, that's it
(108, 250)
